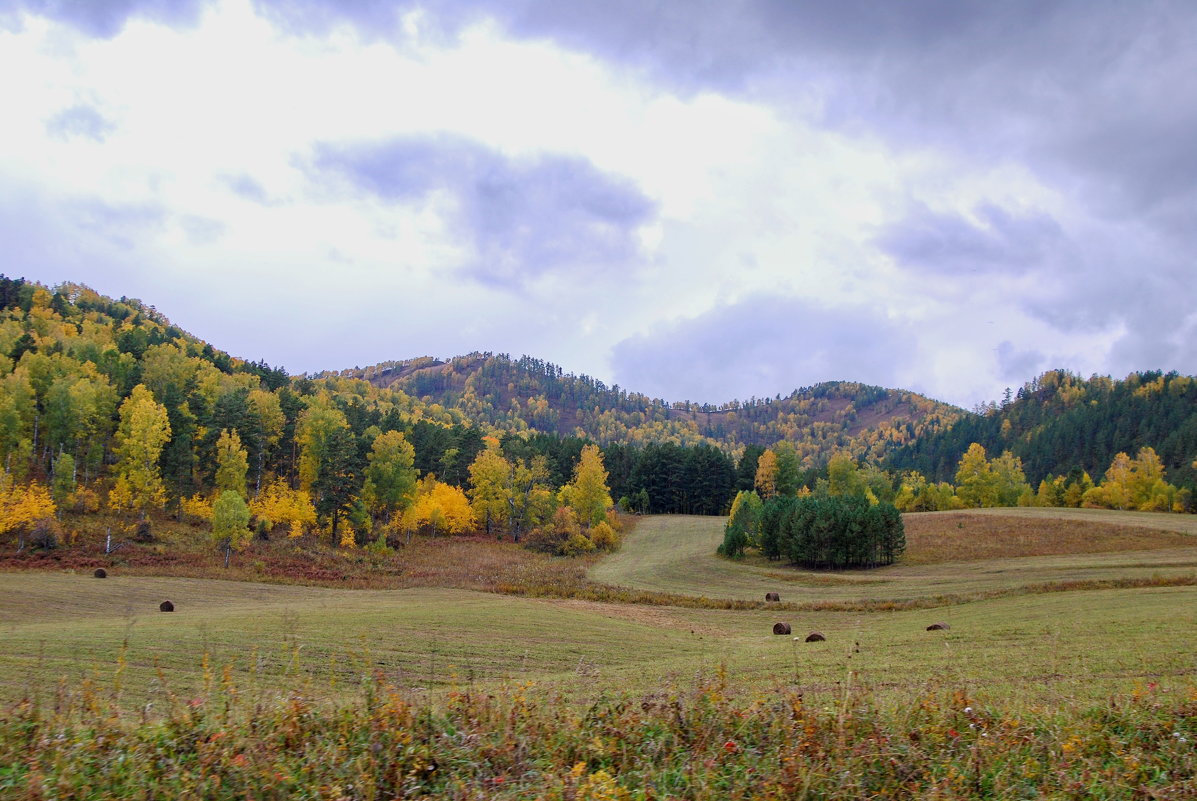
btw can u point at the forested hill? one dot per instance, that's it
(1060, 422)
(529, 394)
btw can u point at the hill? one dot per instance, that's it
(1059, 423)
(528, 394)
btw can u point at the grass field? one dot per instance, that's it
(675, 554)
(1006, 631)
(1012, 645)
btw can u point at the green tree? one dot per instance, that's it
(490, 488)
(844, 477)
(390, 474)
(313, 433)
(741, 528)
(230, 523)
(529, 495)
(1010, 483)
(336, 478)
(788, 469)
(232, 463)
(63, 484)
(143, 430)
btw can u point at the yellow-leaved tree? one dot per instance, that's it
(766, 475)
(439, 509)
(143, 431)
(22, 507)
(277, 504)
(490, 487)
(588, 494)
(1134, 484)
(976, 483)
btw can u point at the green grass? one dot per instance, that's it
(283, 690)
(676, 554)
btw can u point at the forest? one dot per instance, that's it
(106, 406)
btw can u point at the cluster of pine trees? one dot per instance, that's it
(823, 531)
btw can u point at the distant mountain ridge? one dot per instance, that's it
(529, 394)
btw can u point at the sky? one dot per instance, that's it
(696, 199)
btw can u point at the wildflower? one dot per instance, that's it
(730, 747)
(968, 710)
(1180, 738)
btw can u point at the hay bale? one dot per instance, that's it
(938, 627)
(772, 596)
(166, 606)
(781, 628)
(815, 636)
(100, 573)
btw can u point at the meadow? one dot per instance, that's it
(471, 669)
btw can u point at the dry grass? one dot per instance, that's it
(941, 537)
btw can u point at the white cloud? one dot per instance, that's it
(168, 163)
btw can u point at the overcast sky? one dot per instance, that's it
(697, 199)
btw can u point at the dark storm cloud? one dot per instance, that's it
(997, 241)
(523, 216)
(106, 18)
(79, 121)
(763, 345)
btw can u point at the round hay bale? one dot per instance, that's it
(772, 596)
(100, 573)
(938, 627)
(166, 606)
(815, 636)
(781, 628)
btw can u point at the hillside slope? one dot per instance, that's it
(530, 394)
(1060, 422)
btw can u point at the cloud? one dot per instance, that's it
(762, 345)
(524, 217)
(202, 230)
(79, 121)
(105, 19)
(1018, 365)
(991, 239)
(246, 186)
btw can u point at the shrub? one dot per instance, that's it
(604, 537)
(46, 534)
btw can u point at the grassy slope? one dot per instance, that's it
(273, 638)
(676, 554)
